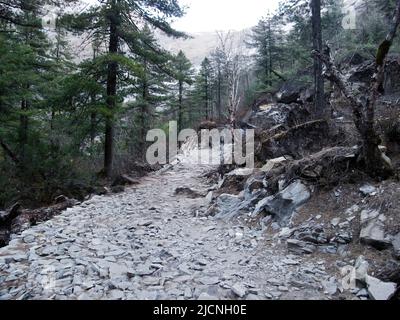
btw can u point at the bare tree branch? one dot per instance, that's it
(364, 112)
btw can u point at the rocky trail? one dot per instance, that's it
(148, 243)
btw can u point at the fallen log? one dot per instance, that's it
(16, 220)
(7, 216)
(297, 141)
(8, 152)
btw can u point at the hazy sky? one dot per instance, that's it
(211, 15)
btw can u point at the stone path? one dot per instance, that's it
(147, 244)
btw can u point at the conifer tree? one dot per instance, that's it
(117, 22)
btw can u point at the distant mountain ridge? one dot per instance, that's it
(200, 45)
(196, 48)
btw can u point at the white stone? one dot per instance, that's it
(379, 290)
(239, 290)
(368, 190)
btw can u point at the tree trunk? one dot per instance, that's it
(219, 90)
(144, 113)
(319, 101)
(8, 152)
(207, 98)
(93, 117)
(23, 130)
(93, 114)
(270, 63)
(111, 91)
(376, 164)
(180, 115)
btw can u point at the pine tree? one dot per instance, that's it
(184, 74)
(204, 82)
(266, 38)
(149, 85)
(117, 21)
(319, 103)
(217, 61)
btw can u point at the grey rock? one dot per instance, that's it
(142, 271)
(284, 203)
(314, 234)
(209, 280)
(286, 232)
(277, 114)
(227, 206)
(239, 290)
(335, 222)
(368, 215)
(145, 223)
(29, 239)
(362, 293)
(147, 295)
(206, 297)
(290, 262)
(116, 295)
(330, 287)
(290, 92)
(117, 270)
(361, 269)
(329, 249)
(396, 246)
(373, 234)
(343, 237)
(379, 290)
(300, 247)
(368, 190)
(188, 293)
(273, 164)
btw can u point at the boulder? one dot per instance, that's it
(342, 237)
(379, 290)
(368, 215)
(235, 180)
(373, 233)
(284, 203)
(227, 206)
(361, 268)
(330, 286)
(254, 183)
(313, 234)
(396, 246)
(300, 247)
(289, 93)
(278, 114)
(274, 163)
